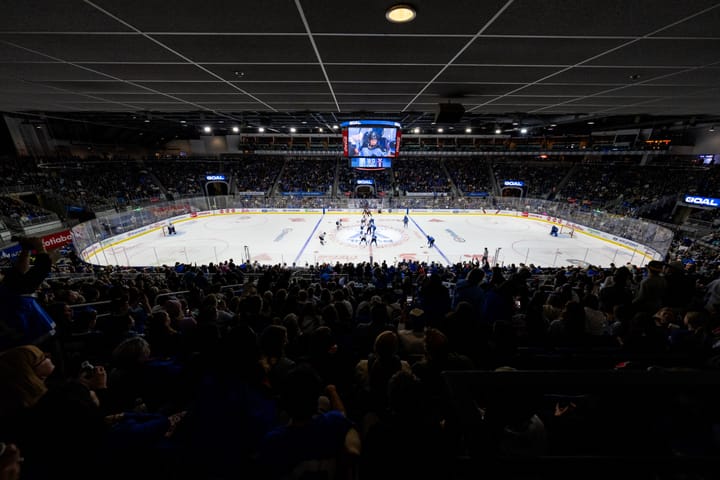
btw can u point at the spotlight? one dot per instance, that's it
(207, 129)
(401, 13)
(235, 129)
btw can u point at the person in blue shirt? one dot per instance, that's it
(431, 241)
(405, 221)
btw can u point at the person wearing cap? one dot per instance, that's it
(653, 288)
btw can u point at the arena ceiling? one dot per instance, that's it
(152, 64)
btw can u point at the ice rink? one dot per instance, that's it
(293, 238)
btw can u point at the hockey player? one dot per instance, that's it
(554, 231)
(405, 221)
(338, 224)
(363, 238)
(373, 239)
(322, 238)
(431, 241)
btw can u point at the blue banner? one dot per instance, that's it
(702, 201)
(10, 253)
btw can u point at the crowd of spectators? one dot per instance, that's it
(182, 177)
(22, 212)
(308, 175)
(256, 174)
(623, 187)
(229, 370)
(470, 175)
(348, 177)
(422, 175)
(541, 179)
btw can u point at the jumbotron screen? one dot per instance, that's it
(368, 139)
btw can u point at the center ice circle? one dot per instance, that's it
(386, 236)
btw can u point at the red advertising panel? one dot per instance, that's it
(57, 240)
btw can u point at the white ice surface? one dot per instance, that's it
(289, 238)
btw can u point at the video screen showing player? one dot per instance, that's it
(372, 142)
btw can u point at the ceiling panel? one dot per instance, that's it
(44, 71)
(498, 58)
(158, 71)
(676, 53)
(558, 52)
(268, 16)
(62, 16)
(590, 17)
(93, 48)
(239, 49)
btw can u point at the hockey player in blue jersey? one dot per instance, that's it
(554, 231)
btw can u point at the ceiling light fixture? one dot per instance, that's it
(235, 129)
(400, 13)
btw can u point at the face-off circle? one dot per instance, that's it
(386, 236)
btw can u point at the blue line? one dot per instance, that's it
(309, 238)
(434, 246)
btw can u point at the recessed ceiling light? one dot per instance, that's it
(498, 131)
(292, 130)
(261, 129)
(207, 129)
(236, 129)
(401, 13)
(468, 130)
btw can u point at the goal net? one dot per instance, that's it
(567, 231)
